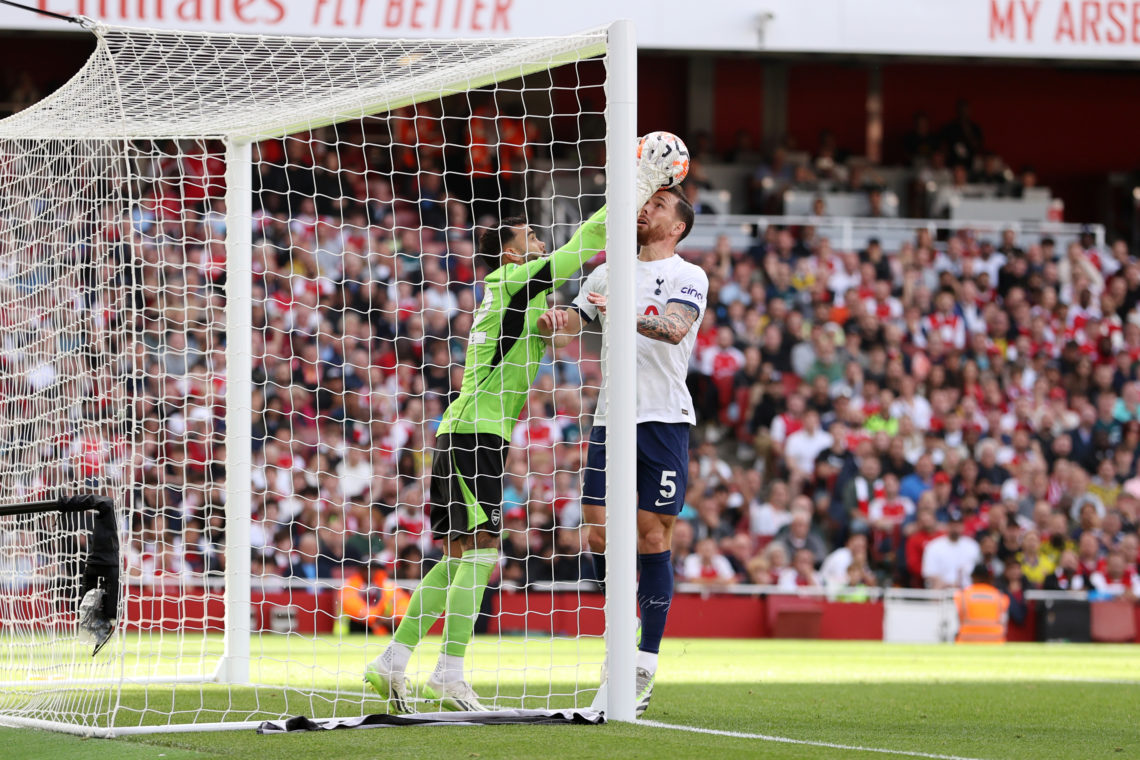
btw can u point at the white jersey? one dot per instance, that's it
(661, 367)
(952, 561)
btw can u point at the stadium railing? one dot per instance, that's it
(872, 593)
(854, 233)
(902, 615)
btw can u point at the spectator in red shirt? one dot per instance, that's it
(719, 364)
(801, 574)
(707, 566)
(925, 530)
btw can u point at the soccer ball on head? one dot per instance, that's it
(666, 154)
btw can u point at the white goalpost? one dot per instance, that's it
(238, 276)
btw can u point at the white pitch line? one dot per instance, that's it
(787, 740)
(1078, 679)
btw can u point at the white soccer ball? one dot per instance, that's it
(667, 154)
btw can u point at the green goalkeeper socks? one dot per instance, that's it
(427, 603)
(465, 597)
(454, 584)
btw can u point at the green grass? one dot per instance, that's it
(1017, 701)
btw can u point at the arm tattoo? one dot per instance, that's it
(670, 327)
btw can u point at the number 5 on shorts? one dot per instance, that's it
(668, 487)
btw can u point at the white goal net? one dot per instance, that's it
(237, 280)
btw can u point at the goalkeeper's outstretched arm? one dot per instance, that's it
(662, 163)
(552, 271)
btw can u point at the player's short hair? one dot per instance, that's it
(684, 211)
(495, 239)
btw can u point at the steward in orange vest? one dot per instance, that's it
(380, 605)
(983, 611)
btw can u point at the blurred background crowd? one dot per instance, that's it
(937, 168)
(887, 414)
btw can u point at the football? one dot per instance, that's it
(666, 152)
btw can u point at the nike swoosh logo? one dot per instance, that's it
(660, 503)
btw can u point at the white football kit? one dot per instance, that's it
(661, 367)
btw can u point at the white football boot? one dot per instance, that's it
(389, 683)
(453, 695)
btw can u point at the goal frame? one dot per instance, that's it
(620, 601)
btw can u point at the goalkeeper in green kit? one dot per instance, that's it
(509, 337)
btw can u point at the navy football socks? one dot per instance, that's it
(654, 595)
(600, 570)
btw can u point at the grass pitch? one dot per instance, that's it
(789, 697)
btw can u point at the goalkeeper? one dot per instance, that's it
(509, 337)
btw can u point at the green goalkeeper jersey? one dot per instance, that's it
(505, 347)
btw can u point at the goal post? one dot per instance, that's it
(621, 451)
(234, 665)
(238, 275)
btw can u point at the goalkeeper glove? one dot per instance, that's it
(651, 177)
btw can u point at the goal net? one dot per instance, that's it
(237, 280)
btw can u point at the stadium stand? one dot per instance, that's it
(957, 377)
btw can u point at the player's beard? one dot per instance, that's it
(649, 234)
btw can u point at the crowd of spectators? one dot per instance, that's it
(916, 412)
(866, 417)
(365, 286)
(935, 166)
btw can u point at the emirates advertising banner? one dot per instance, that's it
(1042, 29)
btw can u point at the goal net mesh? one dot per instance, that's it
(376, 165)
